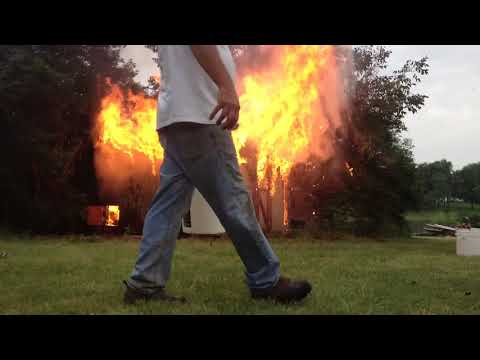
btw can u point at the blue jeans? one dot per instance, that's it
(203, 157)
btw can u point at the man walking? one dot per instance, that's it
(198, 107)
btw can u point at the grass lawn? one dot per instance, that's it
(78, 275)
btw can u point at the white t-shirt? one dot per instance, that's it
(187, 93)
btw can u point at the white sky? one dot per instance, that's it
(447, 126)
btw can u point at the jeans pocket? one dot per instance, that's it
(225, 148)
(224, 143)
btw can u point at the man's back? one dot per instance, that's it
(187, 93)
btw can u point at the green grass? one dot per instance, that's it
(74, 275)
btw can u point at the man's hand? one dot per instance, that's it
(209, 58)
(229, 105)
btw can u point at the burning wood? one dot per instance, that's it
(349, 169)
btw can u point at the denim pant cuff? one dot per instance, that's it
(264, 278)
(142, 286)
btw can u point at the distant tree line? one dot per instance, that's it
(437, 185)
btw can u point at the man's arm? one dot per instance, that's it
(209, 58)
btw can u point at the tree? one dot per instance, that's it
(382, 188)
(467, 183)
(49, 96)
(434, 184)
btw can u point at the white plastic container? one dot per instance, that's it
(468, 242)
(201, 220)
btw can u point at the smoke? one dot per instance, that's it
(345, 68)
(116, 171)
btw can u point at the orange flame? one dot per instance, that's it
(281, 108)
(113, 215)
(128, 124)
(290, 110)
(349, 169)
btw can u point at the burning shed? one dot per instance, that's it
(290, 111)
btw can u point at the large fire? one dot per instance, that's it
(282, 110)
(127, 124)
(289, 110)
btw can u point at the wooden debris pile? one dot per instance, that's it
(438, 230)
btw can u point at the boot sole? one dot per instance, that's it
(132, 300)
(296, 298)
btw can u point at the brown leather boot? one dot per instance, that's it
(284, 291)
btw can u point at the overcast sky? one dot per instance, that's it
(447, 127)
